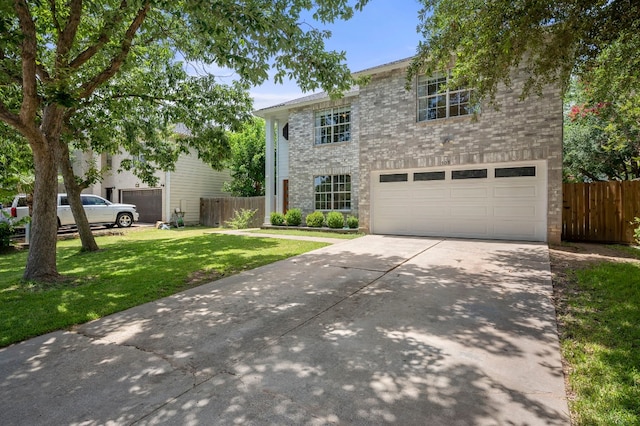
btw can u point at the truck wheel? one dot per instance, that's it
(124, 220)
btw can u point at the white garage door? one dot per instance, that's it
(498, 201)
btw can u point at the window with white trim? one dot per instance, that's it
(332, 192)
(436, 101)
(333, 125)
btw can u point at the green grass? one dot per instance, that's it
(297, 232)
(601, 343)
(129, 270)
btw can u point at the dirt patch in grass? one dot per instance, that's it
(203, 276)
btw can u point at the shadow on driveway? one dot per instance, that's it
(368, 331)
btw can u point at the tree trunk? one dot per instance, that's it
(41, 262)
(75, 201)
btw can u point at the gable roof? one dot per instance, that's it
(321, 96)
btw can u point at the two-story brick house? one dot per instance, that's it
(417, 162)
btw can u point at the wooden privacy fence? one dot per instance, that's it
(600, 211)
(216, 211)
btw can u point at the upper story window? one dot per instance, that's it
(436, 101)
(333, 125)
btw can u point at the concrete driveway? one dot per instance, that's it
(369, 331)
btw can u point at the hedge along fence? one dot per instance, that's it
(216, 211)
(600, 211)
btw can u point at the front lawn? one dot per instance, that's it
(131, 269)
(600, 338)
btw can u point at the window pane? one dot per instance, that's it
(469, 174)
(395, 177)
(515, 171)
(424, 176)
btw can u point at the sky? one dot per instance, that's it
(383, 32)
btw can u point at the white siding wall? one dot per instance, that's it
(124, 179)
(192, 180)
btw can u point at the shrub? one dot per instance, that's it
(8, 226)
(352, 222)
(277, 219)
(315, 219)
(335, 220)
(293, 217)
(241, 219)
(636, 232)
(6, 231)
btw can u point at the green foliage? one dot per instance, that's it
(636, 231)
(6, 231)
(550, 38)
(277, 219)
(16, 163)
(601, 328)
(352, 222)
(8, 227)
(247, 160)
(335, 220)
(315, 219)
(241, 219)
(153, 264)
(595, 148)
(293, 217)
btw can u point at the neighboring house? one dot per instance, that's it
(182, 188)
(416, 162)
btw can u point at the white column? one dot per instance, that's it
(270, 167)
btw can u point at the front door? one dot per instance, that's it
(285, 195)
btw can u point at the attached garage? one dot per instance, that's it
(489, 201)
(148, 202)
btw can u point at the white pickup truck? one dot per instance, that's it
(99, 211)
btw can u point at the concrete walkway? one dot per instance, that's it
(376, 330)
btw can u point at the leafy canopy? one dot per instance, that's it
(550, 38)
(247, 160)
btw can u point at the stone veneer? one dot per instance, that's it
(386, 136)
(307, 160)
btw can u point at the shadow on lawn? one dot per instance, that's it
(428, 334)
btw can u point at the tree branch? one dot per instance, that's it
(28, 51)
(68, 35)
(54, 15)
(103, 39)
(117, 61)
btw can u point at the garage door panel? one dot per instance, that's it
(469, 192)
(428, 211)
(524, 191)
(470, 227)
(518, 230)
(519, 211)
(504, 208)
(470, 211)
(430, 193)
(430, 227)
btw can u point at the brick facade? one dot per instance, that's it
(385, 135)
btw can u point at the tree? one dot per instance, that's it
(247, 160)
(552, 39)
(58, 59)
(16, 164)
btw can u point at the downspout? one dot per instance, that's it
(167, 196)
